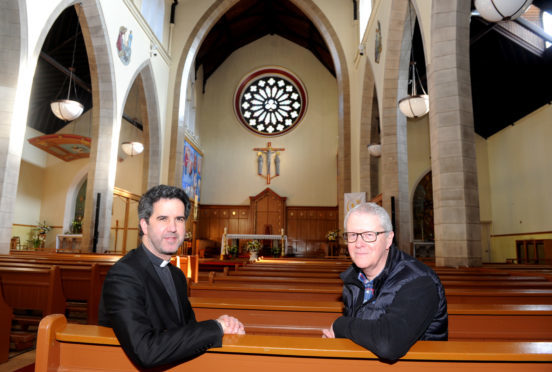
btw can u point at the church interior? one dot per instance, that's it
(277, 117)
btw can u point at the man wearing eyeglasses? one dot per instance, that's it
(391, 299)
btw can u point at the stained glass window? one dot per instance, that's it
(270, 101)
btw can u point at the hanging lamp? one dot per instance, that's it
(414, 105)
(132, 148)
(68, 109)
(374, 150)
(501, 10)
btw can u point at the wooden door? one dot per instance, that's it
(268, 212)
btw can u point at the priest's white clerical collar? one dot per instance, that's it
(164, 263)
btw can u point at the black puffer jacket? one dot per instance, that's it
(409, 304)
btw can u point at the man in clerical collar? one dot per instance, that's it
(144, 297)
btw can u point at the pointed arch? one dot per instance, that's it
(71, 197)
(105, 127)
(191, 47)
(151, 125)
(369, 134)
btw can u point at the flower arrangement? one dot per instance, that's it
(188, 236)
(332, 235)
(253, 246)
(43, 228)
(39, 234)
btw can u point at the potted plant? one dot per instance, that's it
(233, 251)
(276, 251)
(253, 247)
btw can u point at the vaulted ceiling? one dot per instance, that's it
(510, 79)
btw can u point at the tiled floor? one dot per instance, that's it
(18, 361)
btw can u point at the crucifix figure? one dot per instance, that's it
(268, 151)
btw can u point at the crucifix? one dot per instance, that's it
(268, 151)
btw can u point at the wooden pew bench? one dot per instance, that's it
(80, 284)
(266, 316)
(296, 291)
(332, 292)
(71, 347)
(6, 315)
(31, 293)
(297, 318)
(37, 288)
(456, 281)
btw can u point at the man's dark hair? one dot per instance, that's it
(145, 206)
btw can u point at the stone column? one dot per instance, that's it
(12, 130)
(393, 123)
(453, 162)
(106, 126)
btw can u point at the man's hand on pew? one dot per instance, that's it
(328, 333)
(231, 325)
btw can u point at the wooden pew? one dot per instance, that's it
(296, 318)
(71, 347)
(33, 289)
(500, 322)
(189, 266)
(295, 291)
(499, 296)
(456, 281)
(80, 283)
(332, 292)
(6, 315)
(266, 316)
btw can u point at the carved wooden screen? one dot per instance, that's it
(268, 212)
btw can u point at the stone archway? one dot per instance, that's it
(319, 19)
(16, 86)
(369, 134)
(105, 129)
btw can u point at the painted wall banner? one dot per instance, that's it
(191, 172)
(352, 199)
(124, 45)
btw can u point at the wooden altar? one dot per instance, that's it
(225, 237)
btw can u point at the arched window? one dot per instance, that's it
(154, 13)
(422, 209)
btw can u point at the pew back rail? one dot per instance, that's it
(63, 346)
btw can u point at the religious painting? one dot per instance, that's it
(378, 44)
(191, 172)
(124, 45)
(67, 147)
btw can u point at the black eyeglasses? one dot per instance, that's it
(367, 236)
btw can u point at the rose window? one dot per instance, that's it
(270, 101)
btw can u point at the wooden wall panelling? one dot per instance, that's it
(305, 226)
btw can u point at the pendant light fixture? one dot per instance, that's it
(374, 150)
(501, 10)
(68, 109)
(414, 105)
(132, 148)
